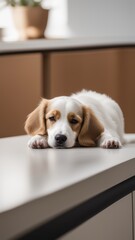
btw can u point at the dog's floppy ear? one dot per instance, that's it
(91, 129)
(35, 123)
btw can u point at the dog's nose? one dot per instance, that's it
(60, 138)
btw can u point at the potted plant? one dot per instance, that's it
(29, 17)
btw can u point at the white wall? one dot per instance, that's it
(102, 17)
(95, 18)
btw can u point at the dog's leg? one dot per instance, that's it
(38, 141)
(107, 140)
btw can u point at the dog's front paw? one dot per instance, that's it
(111, 143)
(38, 142)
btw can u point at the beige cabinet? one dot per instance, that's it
(20, 90)
(109, 71)
(115, 222)
(73, 71)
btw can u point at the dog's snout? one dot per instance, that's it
(60, 138)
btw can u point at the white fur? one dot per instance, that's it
(105, 109)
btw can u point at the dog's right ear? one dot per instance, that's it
(35, 123)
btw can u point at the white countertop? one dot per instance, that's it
(65, 44)
(37, 184)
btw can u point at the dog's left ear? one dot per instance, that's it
(91, 129)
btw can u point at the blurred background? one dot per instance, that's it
(26, 77)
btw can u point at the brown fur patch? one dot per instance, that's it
(75, 127)
(91, 129)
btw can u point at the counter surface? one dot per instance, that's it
(39, 45)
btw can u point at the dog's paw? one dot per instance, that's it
(111, 143)
(38, 142)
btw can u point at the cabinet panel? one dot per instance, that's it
(115, 222)
(20, 90)
(127, 86)
(74, 71)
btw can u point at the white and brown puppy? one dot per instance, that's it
(85, 119)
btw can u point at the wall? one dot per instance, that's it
(98, 18)
(93, 18)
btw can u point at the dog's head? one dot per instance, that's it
(65, 121)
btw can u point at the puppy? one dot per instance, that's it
(86, 119)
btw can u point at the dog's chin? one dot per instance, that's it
(61, 146)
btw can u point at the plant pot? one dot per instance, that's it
(30, 22)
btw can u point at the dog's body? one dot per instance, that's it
(85, 119)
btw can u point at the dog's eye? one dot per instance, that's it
(73, 121)
(52, 119)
